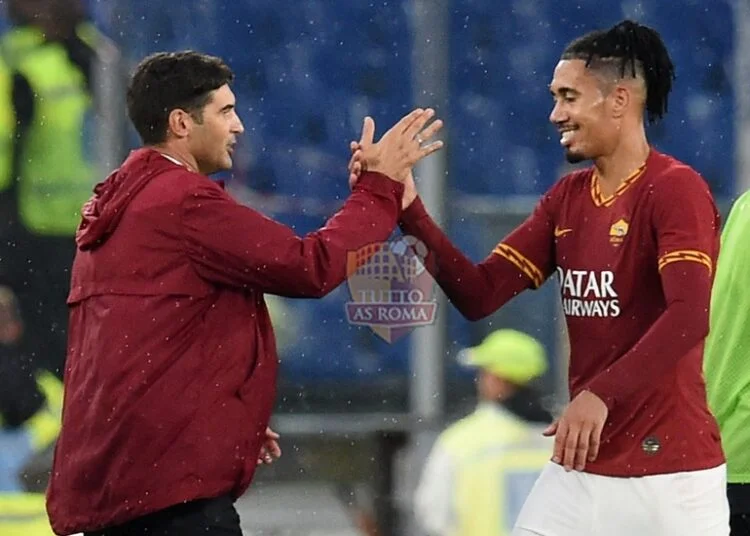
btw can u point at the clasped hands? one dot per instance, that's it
(396, 153)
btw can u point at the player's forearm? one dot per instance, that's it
(237, 246)
(683, 325)
(476, 290)
(369, 216)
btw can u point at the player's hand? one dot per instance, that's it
(355, 169)
(578, 431)
(270, 451)
(399, 148)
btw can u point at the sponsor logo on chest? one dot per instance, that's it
(588, 293)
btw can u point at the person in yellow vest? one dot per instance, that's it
(24, 515)
(46, 173)
(50, 53)
(481, 468)
(25, 430)
(7, 194)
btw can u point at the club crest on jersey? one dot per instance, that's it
(618, 231)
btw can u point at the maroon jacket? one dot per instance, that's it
(171, 363)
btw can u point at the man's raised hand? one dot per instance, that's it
(398, 150)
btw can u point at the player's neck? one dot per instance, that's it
(629, 155)
(178, 154)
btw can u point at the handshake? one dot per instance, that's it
(398, 150)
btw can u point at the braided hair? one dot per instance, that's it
(634, 50)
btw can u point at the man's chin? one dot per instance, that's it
(574, 157)
(224, 165)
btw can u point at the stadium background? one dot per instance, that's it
(307, 73)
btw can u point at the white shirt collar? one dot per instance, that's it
(171, 159)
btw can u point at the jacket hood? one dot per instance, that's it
(101, 214)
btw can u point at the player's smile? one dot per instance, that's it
(566, 135)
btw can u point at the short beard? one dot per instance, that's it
(574, 158)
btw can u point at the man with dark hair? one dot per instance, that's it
(171, 365)
(634, 240)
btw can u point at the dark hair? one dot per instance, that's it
(636, 50)
(169, 80)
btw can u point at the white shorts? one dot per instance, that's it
(580, 504)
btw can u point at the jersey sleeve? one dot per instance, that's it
(523, 260)
(530, 247)
(685, 220)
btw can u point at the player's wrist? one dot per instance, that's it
(378, 183)
(608, 400)
(414, 211)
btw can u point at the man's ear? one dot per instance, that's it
(621, 99)
(180, 123)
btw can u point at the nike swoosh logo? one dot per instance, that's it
(562, 232)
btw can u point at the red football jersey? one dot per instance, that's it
(635, 273)
(609, 254)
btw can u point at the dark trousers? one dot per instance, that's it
(740, 525)
(42, 283)
(37, 269)
(739, 508)
(20, 396)
(206, 517)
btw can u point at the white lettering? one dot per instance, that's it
(589, 293)
(608, 278)
(579, 275)
(410, 314)
(591, 308)
(567, 283)
(362, 314)
(592, 287)
(391, 296)
(416, 296)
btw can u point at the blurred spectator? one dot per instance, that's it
(482, 467)
(46, 173)
(48, 57)
(19, 396)
(24, 515)
(30, 405)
